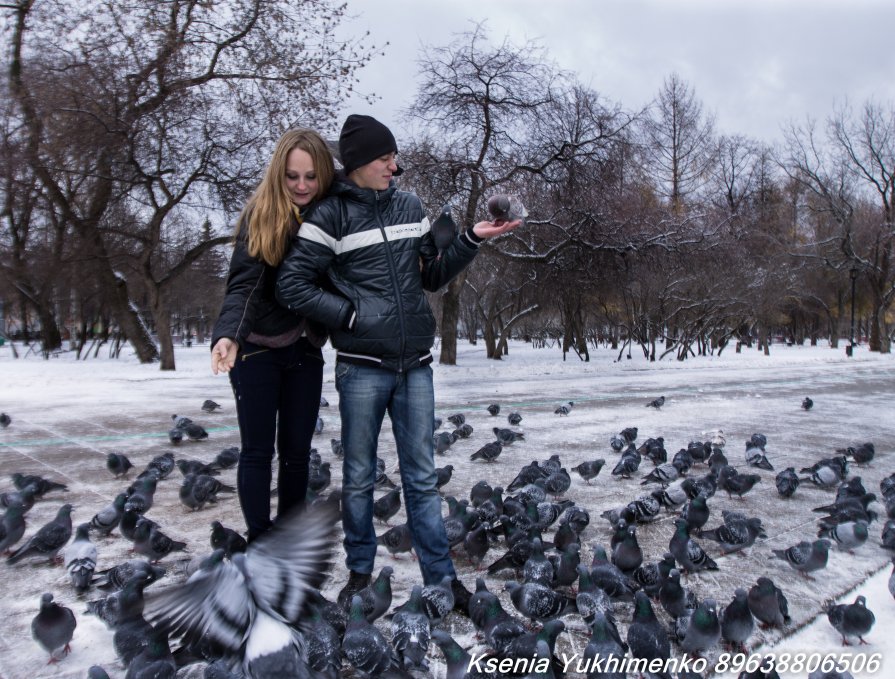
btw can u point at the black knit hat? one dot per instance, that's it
(364, 139)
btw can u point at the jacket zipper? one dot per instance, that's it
(395, 286)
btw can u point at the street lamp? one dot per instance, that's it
(853, 274)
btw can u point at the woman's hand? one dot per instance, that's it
(495, 228)
(223, 355)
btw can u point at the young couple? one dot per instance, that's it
(347, 256)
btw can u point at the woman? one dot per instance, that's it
(272, 355)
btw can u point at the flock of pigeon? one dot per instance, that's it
(257, 610)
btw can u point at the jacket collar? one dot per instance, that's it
(343, 186)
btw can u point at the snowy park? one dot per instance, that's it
(67, 415)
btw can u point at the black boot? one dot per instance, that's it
(461, 596)
(356, 582)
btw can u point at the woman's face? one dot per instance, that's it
(301, 177)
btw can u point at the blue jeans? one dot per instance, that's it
(365, 395)
(277, 400)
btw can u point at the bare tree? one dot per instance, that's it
(678, 139)
(159, 110)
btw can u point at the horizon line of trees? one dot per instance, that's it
(132, 137)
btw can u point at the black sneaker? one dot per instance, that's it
(356, 582)
(461, 596)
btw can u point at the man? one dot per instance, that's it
(370, 245)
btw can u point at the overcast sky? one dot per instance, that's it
(754, 64)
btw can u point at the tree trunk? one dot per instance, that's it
(450, 317)
(50, 337)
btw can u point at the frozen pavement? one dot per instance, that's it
(67, 415)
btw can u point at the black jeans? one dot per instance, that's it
(277, 400)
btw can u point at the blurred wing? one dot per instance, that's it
(215, 603)
(290, 559)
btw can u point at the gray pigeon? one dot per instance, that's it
(12, 527)
(396, 539)
(97, 672)
(5, 420)
(851, 620)
(199, 490)
(363, 645)
(538, 602)
(175, 435)
(565, 408)
(768, 604)
(23, 498)
(787, 482)
(589, 469)
(118, 464)
(494, 409)
(464, 431)
(122, 605)
(806, 557)
(324, 644)
(458, 661)
(457, 419)
(438, 599)
(846, 536)
(162, 464)
(807, 403)
(195, 432)
(514, 419)
(537, 568)
(703, 630)
(489, 452)
(141, 495)
(736, 621)
(676, 600)
(152, 543)
(627, 554)
(80, 559)
(106, 520)
(591, 599)
(376, 598)
(507, 436)
(154, 661)
(337, 448)
(387, 506)
(209, 406)
(48, 540)
(53, 627)
(41, 485)
(891, 583)
(755, 457)
(411, 631)
(227, 458)
(227, 539)
(604, 644)
(656, 403)
(476, 543)
(687, 552)
(736, 533)
(443, 440)
(444, 475)
(609, 577)
(646, 637)
(557, 483)
(627, 464)
(117, 576)
(246, 605)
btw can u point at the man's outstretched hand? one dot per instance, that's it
(495, 228)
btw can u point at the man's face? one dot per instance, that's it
(376, 174)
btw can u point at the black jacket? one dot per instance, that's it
(250, 304)
(378, 256)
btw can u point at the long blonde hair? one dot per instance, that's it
(269, 211)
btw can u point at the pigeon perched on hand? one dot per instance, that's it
(53, 627)
(247, 605)
(443, 230)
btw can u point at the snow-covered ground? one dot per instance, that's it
(67, 414)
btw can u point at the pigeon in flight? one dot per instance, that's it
(247, 605)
